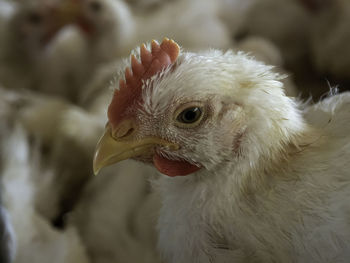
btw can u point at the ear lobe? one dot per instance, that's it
(231, 117)
(228, 111)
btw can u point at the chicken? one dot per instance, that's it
(7, 242)
(195, 23)
(92, 112)
(112, 28)
(6, 10)
(32, 238)
(107, 25)
(285, 23)
(233, 13)
(27, 30)
(329, 33)
(125, 219)
(265, 51)
(97, 93)
(36, 239)
(330, 113)
(245, 176)
(66, 65)
(42, 116)
(105, 216)
(108, 29)
(7, 236)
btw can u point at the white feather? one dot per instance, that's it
(36, 240)
(274, 183)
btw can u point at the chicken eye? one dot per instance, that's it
(190, 115)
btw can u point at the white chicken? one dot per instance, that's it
(126, 219)
(7, 236)
(329, 34)
(7, 242)
(264, 50)
(109, 29)
(92, 112)
(66, 65)
(233, 12)
(245, 176)
(112, 29)
(96, 97)
(27, 29)
(107, 25)
(285, 23)
(97, 92)
(195, 23)
(56, 192)
(6, 10)
(36, 240)
(105, 216)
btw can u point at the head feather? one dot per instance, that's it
(130, 89)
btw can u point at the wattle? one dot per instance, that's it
(172, 167)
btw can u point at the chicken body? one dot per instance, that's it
(245, 176)
(36, 240)
(105, 216)
(14, 56)
(264, 50)
(7, 242)
(286, 24)
(57, 191)
(29, 49)
(329, 32)
(106, 25)
(25, 30)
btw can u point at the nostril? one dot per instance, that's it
(122, 133)
(129, 132)
(124, 130)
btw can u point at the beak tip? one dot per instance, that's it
(96, 167)
(96, 170)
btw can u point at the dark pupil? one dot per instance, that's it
(190, 115)
(34, 18)
(96, 6)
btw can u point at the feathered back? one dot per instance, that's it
(152, 63)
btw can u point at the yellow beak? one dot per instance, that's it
(110, 150)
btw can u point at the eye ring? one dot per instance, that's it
(189, 115)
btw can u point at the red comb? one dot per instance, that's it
(130, 89)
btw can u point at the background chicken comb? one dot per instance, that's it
(130, 89)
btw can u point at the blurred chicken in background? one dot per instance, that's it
(36, 239)
(285, 23)
(27, 29)
(7, 242)
(26, 236)
(7, 235)
(329, 37)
